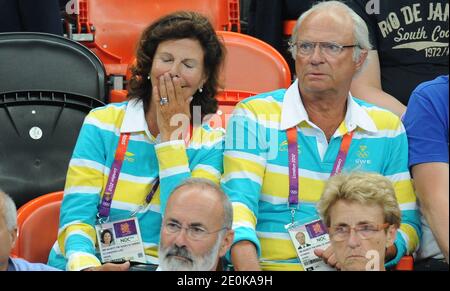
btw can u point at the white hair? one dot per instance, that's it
(208, 184)
(9, 211)
(360, 30)
(200, 263)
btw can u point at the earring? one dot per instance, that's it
(200, 90)
(148, 77)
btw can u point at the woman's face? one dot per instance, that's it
(107, 238)
(356, 253)
(182, 58)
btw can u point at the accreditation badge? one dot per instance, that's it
(306, 237)
(120, 241)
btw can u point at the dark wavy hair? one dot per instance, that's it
(102, 238)
(179, 25)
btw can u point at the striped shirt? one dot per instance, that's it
(145, 159)
(256, 169)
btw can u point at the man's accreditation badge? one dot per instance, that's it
(120, 241)
(306, 237)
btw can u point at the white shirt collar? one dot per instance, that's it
(134, 119)
(356, 116)
(293, 112)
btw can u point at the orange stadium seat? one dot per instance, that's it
(252, 65)
(288, 27)
(37, 226)
(227, 102)
(406, 263)
(112, 28)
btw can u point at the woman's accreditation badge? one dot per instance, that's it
(120, 241)
(306, 238)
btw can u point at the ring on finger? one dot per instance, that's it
(163, 101)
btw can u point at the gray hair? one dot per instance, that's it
(364, 188)
(207, 184)
(360, 30)
(8, 210)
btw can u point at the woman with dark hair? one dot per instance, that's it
(152, 60)
(129, 156)
(106, 237)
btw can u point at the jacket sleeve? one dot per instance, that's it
(202, 159)
(396, 169)
(244, 167)
(76, 235)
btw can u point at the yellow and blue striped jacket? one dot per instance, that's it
(145, 160)
(256, 171)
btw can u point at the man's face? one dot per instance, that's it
(196, 209)
(301, 238)
(7, 239)
(319, 73)
(176, 258)
(354, 252)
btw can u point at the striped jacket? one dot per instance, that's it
(145, 160)
(256, 169)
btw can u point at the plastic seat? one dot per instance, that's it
(47, 62)
(112, 28)
(227, 102)
(118, 96)
(47, 86)
(37, 225)
(406, 263)
(288, 27)
(252, 65)
(38, 133)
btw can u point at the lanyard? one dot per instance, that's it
(113, 178)
(293, 163)
(148, 198)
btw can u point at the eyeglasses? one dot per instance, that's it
(307, 48)
(364, 231)
(193, 232)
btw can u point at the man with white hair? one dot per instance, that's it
(8, 235)
(196, 228)
(282, 146)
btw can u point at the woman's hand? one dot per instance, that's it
(174, 111)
